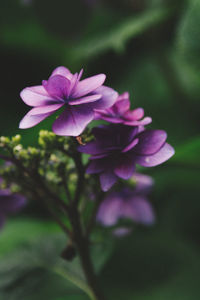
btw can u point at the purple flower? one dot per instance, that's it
(128, 203)
(9, 203)
(78, 97)
(118, 148)
(120, 113)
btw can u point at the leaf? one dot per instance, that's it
(33, 37)
(188, 154)
(117, 37)
(188, 34)
(24, 270)
(153, 265)
(19, 231)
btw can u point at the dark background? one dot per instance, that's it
(151, 49)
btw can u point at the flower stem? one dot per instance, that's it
(83, 250)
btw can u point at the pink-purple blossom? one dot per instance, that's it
(9, 203)
(120, 113)
(79, 98)
(128, 203)
(118, 148)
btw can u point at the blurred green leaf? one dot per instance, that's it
(152, 265)
(36, 261)
(116, 37)
(20, 231)
(33, 37)
(188, 34)
(188, 154)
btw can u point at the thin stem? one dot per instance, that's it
(81, 178)
(92, 219)
(84, 254)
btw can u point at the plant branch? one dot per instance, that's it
(82, 246)
(92, 219)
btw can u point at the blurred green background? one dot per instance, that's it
(150, 48)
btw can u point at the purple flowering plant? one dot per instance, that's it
(63, 171)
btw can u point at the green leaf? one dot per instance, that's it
(19, 231)
(116, 37)
(188, 35)
(34, 38)
(37, 261)
(188, 154)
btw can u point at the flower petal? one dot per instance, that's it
(12, 203)
(122, 231)
(125, 167)
(63, 72)
(102, 116)
(36, 96)
(57, 86)
(109, 211)
(150, 141)
(39, 110)
(131, 145)
(73, 120)
(145, 121)
(88, 85)
(158, 158)
(107, 179)
(144, 183)
(86, 99)
(140, 211)
(122, 104)
(74, 80)
(2, 220)
(109, 97)
(134, 115)
(30, 121)
(95, 166)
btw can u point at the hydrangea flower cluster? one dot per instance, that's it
(54, 172)
(117, 148)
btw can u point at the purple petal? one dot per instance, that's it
(107, 179)
(130, 146)
(95, 166)
(135, 114)
(88, 85)
(145, 121)
(63, 72)
(97, 156)
(122, 104)
(122, 231)
(2, 220)
(140, 211)
(12, 203)
(102, 116)
(86, 99)
(125, 167)
(109, 97)
(36, 96)
(44, 109)
(74, 80)
(57, 86)
(144, 183)
(150, 141)
(93, 148)
(161, 156)
(30, 121)
(109, 211)
(73, 120)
